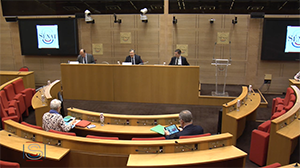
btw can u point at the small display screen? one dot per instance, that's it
(172, 129)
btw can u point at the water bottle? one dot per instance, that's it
(43, 98)
(238, 105)
(48, 82)
(118, 62)
(101, 119)
(250, 89)
(164, 63)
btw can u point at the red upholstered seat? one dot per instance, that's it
(33, 126)
(7, 104)
(194, 136)
(64, 133)
(28, 93)
(11, 95)
(259, 147)
(277, 114)
(284, 102)
(273, 165)
(10, 114)
(259, 143)
(24, 68)
(154, 138)
(100, 137)
(6, 164)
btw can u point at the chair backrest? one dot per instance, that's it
(154, 138)
(100, 137)
(194, 136)
(2, 111)
(6, 164)
(18, 86)
(64, 133)
(277, 114)
(265, 126)
(10, 91)
(33, 126)
(3, 99)
(289, 92)
(24, 68)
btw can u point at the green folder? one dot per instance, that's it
(159, 129)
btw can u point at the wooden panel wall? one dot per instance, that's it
(156, 41)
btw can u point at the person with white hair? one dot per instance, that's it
(54, 120)
(186, 122)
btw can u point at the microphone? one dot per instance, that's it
(187, 147)
(160, 150)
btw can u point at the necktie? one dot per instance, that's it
(132, 61)
(176, 61)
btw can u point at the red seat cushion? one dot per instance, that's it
(194, 136)
(33, 126)
(64, 133)
(154, 138)
(100, 137)
(273, 165)
(5, 164)
(259, 147)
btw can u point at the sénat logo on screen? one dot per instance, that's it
(38, 148)
(47, 36)
(292, 43)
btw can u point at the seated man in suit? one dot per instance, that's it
(85, 58)
(186, 122)
(297, 76)
(178, 59)
(54, 120)
(133, 58)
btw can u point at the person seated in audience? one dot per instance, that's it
(297, 76)
(54, 120)
(186, 122)
(133, 58)
(85, 58)
(178, 59)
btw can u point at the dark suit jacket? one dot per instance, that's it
(188, 130)
(137, 58)
(183, 61)
(90, 59)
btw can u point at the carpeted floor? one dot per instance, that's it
(206, 116)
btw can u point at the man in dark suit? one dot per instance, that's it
(186, 122)
(133, 58)
(85, 58)
(178, 59)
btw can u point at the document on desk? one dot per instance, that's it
(159, 129)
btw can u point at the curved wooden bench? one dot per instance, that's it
(233, 119)
(90, 152)
(284, 133)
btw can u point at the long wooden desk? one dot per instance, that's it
(50, 92)
(291, 165)
(122, 126)
(233, 119)
(15, 142)
(229, 156)
(28, 77)
(89, 152)
(284, 133)
(136, 83)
